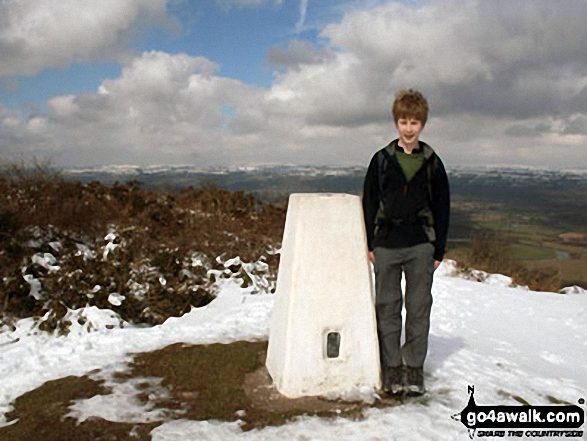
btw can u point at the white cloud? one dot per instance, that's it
(55, 33)
(499, 62)
(506, 83)
(302, 19)
(479, 55)
(162, 106)
(167, 108)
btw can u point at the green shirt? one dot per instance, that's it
(410, 163)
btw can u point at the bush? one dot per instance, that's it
(65, 245)
(489, 253)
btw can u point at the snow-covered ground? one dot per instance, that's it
(505, 341)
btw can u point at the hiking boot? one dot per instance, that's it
(393, 379)
(415, 381)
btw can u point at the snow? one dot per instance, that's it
(573, 290)
(116, 299)
(122, 397)
(503, 340)
(35, 286)
(46, 260)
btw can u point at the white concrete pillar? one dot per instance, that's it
(324, 287)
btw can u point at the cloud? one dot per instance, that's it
(505, 84)
(302, 19)
(55, 33)
(575, 124)
(297, 54)
(490, 57)
(166, 108)
(162, 106)
(521, 65)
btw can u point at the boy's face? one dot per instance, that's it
(409, 132)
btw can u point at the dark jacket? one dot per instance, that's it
(413, 212)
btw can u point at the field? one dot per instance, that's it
(541, 223)
(524, 237)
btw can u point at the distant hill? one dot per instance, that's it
(560, 194)
(531, 211)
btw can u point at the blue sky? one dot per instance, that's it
(222, 82)
(237, 37)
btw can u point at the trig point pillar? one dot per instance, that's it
(323, 334)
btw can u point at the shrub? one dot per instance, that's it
(489, 253)
(65, 245)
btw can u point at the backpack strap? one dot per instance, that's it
(383, 159)
(383, 164)
(430, 169)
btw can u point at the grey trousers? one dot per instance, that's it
(417, 263)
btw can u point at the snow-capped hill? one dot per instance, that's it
(263, 169)
(512, 173)
(517, 173)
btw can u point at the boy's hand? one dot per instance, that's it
(437, 264)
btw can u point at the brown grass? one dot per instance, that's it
(489, 253)
(219, 382)
(41, 415)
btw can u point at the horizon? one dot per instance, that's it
(222, 83)
(302, 165)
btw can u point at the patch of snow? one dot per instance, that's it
(110, 246)
(198, 259)
(85, 251)
(122, 404)
(110, 237)
(116, 299)
(29, 358)
(46, 260)
(57, 246)
(35, 286)
(234, 261)
(573, 290)
(447, 268)
(92, 319)
(552, 358)
(498, 279)
(354, 394)
(271, 250)
(137, 289)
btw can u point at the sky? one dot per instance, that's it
(252, 82)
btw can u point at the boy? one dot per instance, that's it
(406, 206)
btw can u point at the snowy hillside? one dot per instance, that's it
(509, 343)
